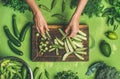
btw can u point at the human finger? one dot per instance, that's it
(72, 34)
(67, 30)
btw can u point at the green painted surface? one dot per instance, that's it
(97, 27)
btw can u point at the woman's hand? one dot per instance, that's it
(40, 23)
(39, 20)
(73, 27)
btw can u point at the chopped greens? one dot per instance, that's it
(19, 5)
(66, 75)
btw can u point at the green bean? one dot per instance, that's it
(47, 74)
(59, 16)
(44, 7)
(35, 72)
(24, 72)
(63, 5)
(40, 75)
(53, 3)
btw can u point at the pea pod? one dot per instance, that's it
(15, 29)
(11, 37)
(105, 48)
(24, 72)
(53, 3)
(15, 50)
(24, 30)
(59, 16)
(47, 74)
(35, 72)
(111, 35)
(44, 7)
(63, 5)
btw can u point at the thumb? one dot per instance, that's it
(67, 30)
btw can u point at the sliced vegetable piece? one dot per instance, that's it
(65, 56)
(69, 46)
(81, 33)
(79, 56)
(72, 44)
(59, 41)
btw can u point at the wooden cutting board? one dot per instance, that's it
(36, 56)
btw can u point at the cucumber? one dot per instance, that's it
(15, 50)
(11, 37)
(15, 29)
(24, 30)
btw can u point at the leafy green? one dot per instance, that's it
(103, 71)
(93, 7)
(112, 12)
(107, 72)
(66, 75)
(19, 5)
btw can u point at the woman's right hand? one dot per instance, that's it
(40, 23)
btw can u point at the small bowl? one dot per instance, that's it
(12, 58)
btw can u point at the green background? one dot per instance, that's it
(97, 27)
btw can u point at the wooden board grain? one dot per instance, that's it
(36, 56)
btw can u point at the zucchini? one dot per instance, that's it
(15, 50)
(15, 29)
(11, 37)
(24, 30)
